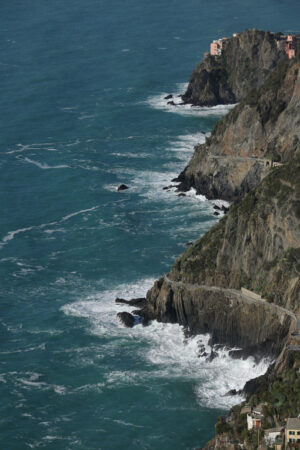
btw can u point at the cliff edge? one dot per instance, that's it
(263, 130)
(243, 64)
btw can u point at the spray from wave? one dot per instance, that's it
(174, 104)
(166, 351)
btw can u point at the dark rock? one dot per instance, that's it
(217, 208)
(169, 187)
(171, 103)
(189, 244)
(240, 68)
(126, 318)
(224, 209)
(181, 195)
(122, 187)
(140, 302)
(168, 97)
(231, 392)
(216, 213)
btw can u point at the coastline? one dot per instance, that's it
(226, 284)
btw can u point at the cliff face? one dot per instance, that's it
(265, 125)
(255, 327)
(244, 64)
(257, 246)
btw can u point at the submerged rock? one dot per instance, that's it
(167, 97)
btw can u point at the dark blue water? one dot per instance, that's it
(82, 87)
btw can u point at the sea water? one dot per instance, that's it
(83, 110)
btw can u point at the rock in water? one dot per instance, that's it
(231, 392)
(126, 318)
(168, 97)
(122, 187)
(140, 302)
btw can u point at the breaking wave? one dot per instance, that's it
(160, 101)
(164, 348)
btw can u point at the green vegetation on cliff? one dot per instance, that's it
(257, 245)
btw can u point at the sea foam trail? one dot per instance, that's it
(160, 102)
(167, 353)
(45, 166)
(11, 234)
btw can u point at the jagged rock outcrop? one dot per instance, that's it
(264, 127)
(256, 327)
(244, 64)
(256, 245)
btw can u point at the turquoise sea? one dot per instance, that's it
(83, 110)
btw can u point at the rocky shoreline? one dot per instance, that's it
(240, 281)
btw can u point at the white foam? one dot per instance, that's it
(160, 102)
(11, 234)
(79, 212)
(45, 166)
(167, 353)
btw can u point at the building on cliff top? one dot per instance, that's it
(216, 47)
(288, 44)
(292, 432)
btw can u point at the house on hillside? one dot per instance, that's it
(272, 436)
(292, 432)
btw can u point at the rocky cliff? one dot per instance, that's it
(245, 63)
(264, 127)
(257, 246)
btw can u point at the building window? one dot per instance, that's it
(298, 432)
(292, 432)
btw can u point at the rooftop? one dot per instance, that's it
(293, 423)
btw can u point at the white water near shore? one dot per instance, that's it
(160, 101)
(164, 346)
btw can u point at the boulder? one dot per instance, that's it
(126, 318)
(168, 97)
(122, 187)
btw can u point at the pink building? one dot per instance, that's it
(216, 47)
(288, 44)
